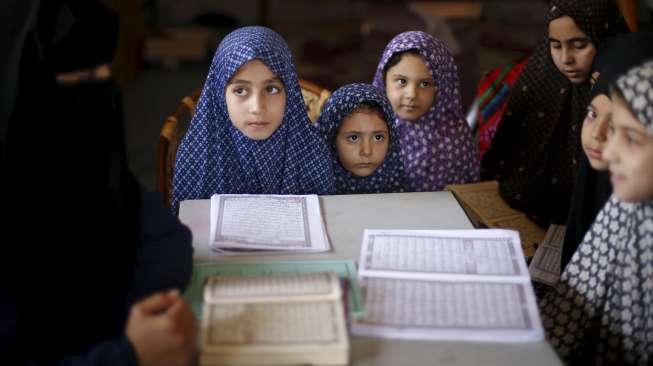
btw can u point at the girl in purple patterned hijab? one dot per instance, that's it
(435, 139)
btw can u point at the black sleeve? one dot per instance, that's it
(118, 352)
(165, 256)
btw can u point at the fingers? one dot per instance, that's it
(158, 302)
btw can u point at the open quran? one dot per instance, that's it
(274, 223)
(486, 209)
(468, 285)
(279, 319)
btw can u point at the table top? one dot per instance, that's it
(345, 217)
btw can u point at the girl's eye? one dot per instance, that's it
(379, 137)
(555, 45)
(425, 84)
(241, 92)
(401, 82)
(579, 45)
(352, 138)
(632, 139)
(273, 89)
(591, 114)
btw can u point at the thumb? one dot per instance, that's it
(155, 303)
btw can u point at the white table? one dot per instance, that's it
(346, 217)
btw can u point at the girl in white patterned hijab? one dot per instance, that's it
(601, 311)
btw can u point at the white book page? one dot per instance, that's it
(444, 310)
(267, 222)
(321, 285)
(280, 323)
(466, 255)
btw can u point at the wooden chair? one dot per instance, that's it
(174, 127)
(314, 97)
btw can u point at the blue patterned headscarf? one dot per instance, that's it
(389, 176)
(215, 157)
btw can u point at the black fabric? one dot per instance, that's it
(591, 192)
(592, 189)
(85, 34)
(534, 152)
(71, 237)
(617, 54)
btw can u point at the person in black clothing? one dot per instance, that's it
(592, 188)
(92, 266)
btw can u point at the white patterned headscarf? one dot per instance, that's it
(438, 148)
(215, 157)
(601, 311)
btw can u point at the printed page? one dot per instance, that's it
(320, 285)
(545, 266)
(280, 323)
(443, 310)
(446, 254)
(267, 222)
(345, 269)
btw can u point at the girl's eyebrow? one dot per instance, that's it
(247, 82)
(570, 40)
(631, 130)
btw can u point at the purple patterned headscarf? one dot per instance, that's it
(437, 147)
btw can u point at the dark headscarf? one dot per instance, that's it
(615, 56)
(389, 176)
(71, 229)
(601, 312)
(534, 153)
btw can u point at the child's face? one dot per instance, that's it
(571, 50)
(595, 129)
(629, 154)
(410, 87)
(362, 143)
(256, 100)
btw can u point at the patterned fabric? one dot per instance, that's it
(592, 189)
(534, 152)
(637, 89)
(437, 147)
(215, 157)
(389, 176)
(601, 311)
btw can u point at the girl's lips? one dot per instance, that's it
(257, 124)
(595, 154)
(616, 178)
(409, 108)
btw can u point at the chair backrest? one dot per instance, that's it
(169, 139)
(171, 132)
(314, 97)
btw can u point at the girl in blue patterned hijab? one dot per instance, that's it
(359, 126)
(250, 133)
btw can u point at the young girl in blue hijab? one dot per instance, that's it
(250, 133)
(360, 128)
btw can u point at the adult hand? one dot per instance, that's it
(162, 329)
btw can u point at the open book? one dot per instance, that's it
(285, 319)
(447, 285)
(267, 222)
(486, 208)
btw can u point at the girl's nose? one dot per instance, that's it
(366, 149)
